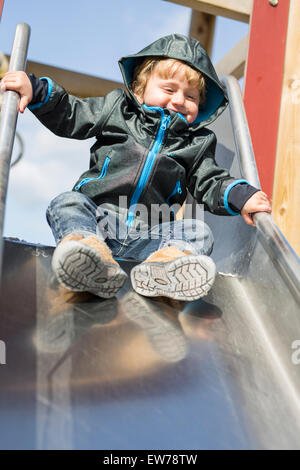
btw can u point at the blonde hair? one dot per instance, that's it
(166, 68)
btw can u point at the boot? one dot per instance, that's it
(160, 324)
(173, 273)
(86, 265)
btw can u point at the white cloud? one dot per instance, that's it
(50, 166)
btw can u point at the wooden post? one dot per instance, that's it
(202, 28)
(286, 189)
(263, 82)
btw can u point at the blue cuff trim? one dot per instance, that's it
(50, 86)
(229, 187)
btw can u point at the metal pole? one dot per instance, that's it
(8, 118)
(241, 131)
(273, 240)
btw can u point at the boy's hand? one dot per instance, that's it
(259, 202)
(19, 82)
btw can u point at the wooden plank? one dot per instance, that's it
(286, 190)
(3, 64)
(233, 63)
(78, 84)
(202, 28)
(263, 83)
(235, 9)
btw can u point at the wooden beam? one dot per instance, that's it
(202, 28)
(233, 63)
(235, 9)
(78, 84)
(286, 188)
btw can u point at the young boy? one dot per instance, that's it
(151, 146)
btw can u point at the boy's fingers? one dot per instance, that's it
(265, 207)
(248, 219)
(8, 85)
(23, 104)
(262, 196)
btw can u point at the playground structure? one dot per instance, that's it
(227, 377)
(268, 59)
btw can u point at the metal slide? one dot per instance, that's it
(78, 372)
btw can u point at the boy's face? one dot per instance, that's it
(174, 93)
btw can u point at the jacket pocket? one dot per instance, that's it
(102, 175)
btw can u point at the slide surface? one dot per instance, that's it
(78, 372)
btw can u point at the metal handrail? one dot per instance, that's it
(8, 121)
(274, 241)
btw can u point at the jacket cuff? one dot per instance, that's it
(41, 90)
(239, 195)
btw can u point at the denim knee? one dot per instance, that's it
(71, 212)
(190, 234)
(204, 243)
(70, 199)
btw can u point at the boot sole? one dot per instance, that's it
(80, 268)
(186, 278)
(166, 338)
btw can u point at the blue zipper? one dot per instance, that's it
(176, 190)
(148, 164)
(102, 174)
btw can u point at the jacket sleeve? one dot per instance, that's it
(69, 116)
(211, 185)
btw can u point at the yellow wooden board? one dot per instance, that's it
(286, 188)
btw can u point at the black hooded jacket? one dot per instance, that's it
(148, 154)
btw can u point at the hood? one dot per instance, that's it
(186, 49)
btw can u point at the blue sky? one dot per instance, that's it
(87, 36)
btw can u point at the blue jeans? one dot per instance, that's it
(73, 212)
